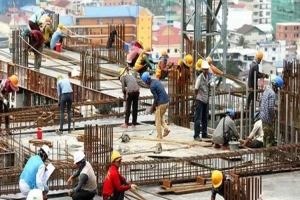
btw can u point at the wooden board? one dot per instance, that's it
(185, 188)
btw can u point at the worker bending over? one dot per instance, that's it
(256, 137)
(87, 185)
(143, 63)
(131, 91)
(134, 53)
(163, 67)
(115, 184)
(225, 131)
(36, 41)
(65, 99)
(57, 36)
(47, 31)
(36, 17)
(33, 173)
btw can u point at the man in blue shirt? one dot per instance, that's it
(267, 111)
(65, 95)
(33, 173)
(57, 36)
(160, 103)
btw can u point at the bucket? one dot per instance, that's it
(58, 47)
(234, 145)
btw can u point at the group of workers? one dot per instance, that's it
(41, 34)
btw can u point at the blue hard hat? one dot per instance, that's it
(145, 77)
(278, 81)
(25, 32)
(230, 112)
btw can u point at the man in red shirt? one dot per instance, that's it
(36, 41)
(115, 184)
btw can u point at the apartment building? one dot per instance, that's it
(289, 31)
(261, 11)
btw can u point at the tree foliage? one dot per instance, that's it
(158, 9)
(242, 42)
(231, 68)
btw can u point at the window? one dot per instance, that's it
(273, 58)
(266, 49)
(285, 28)
(271, 71)
(175, 50)
(101, 41)
(274, 49)
(168, 50)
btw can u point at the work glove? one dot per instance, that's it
(134, 186)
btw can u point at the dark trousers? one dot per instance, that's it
(250, 100)
(47, 44)
(255, 144)
(34, 26)
(4, 109)
(86, 195)
(65, 101)
(200, 116)
(132, 98)
(144, 69)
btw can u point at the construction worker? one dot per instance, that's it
(86, 188)
(163, 67)
(36, 44)
(185, 68)
(35, 18)
(198, 67)
(115, 184)
(212, 69)
(65, 99)
(219, 180)
(201, 103)
(57, 36)
(131, 91)
(35, 194)
(47, 31)
(253, 77)
(33, 173)
(256, 137)
(160, 104)
(143, 63)
(134, 53)
(225, 131)
(267, 111)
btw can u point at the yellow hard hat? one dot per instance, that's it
(164, 53)
(209, 60)
(14, 80)
(198, 64)
(259, 55)
(121, 71)
(43, 6)
(180, 62)
(59, 77)
(60, 26)
(216, 178)
(188, 60)
(115, 155)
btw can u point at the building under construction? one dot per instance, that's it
(98, 112)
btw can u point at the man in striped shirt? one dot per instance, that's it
(267, 111)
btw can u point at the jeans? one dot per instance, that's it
(200, 116)
(83, 194)
(65, 101)
(38, 57)
(132, 98)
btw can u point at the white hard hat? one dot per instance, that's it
(205, 65)
(78, 156)
(35, 194)
(46, 149)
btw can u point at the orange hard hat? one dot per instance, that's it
(14, 82)
(209, 60)
(164, 53)
(259, 55)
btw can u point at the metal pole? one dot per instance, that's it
(183, 27)
(242, 119)
(286, 117)
(224, 37)
(213, 103)
(278, 119)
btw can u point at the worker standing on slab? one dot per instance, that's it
(219, 180)
(143, 63)
(65, 99)
(36, 41)
(57, 36)
(201, 103)
(253, 77)
(267, 111)
(225, 131)
(163, 67)
(256, 137)
(47, 31)
(35, 18)
(160, 104)
(131, 91)
(33, 173)
(115, 184)
(87, 185)
(134, 53)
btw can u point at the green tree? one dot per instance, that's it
(242, 42)
(231, 68)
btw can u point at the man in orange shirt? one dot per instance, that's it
(115, 184)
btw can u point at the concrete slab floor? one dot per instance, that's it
(280, 186)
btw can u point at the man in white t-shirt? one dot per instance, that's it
(256, 137)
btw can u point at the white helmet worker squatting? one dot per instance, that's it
(78, 156)
(35, 194)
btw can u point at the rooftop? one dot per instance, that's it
(60, 3)
(33, 9)
(288, 24)
(245, 29)
(66, 20)
(112, 11)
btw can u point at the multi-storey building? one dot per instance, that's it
(289, 32)
(116, 2)
(261, 11)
